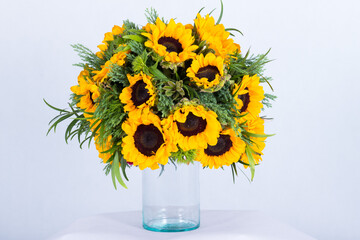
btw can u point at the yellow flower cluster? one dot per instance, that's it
(89, 93)
(118, 58)
(249, 95)
(109, 36)
(199, 55)
(215, 36)
(192, 126)
(177, 43)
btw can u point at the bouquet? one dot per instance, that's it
(168, 92)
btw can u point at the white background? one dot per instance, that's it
(310, 174)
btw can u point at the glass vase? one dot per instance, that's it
(171, 198)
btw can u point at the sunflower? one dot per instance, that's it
(117, 58)
(193, 127)
(88, 92)
(172, 41)
(103, 148)
(226, 151)
(109, 36)
(207, 71)
(249, 96)
(140, 94)
(215, 36)
(146, 144)
(255, 126)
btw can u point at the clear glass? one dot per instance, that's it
(171, 201)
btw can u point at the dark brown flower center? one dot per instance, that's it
(208, 72)
(90, 96)
(245, 98)
(192, 126)
(139, 93)
(148, 139)
(222, 146)
(171, 44)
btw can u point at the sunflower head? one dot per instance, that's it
(227, 150)
(146, 144)
(88, 92)
(140, 94)
(109, 37)
(172, 41)
(84, 74)
(103, 148)
(248, 96)
(193, 127)
(117, 58)
(207, 72)
(215, 36)
(255, 126)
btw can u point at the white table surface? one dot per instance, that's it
(217, 225)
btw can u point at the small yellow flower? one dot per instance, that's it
(172, 41)
(206, 71)
(226, 151)
(103, 148)
(117, 58)
(255, 126)
(215, 36)
(88, 91)
(249, 96)
(109, 36)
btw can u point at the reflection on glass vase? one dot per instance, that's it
(171, 200)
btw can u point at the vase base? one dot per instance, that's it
(170, 225)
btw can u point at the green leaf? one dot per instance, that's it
(212, 11)
(69, 128)
(139, 63)
(136, 38)
(74, 111)
(87, 138)
(221, 13)
(151, 15)
(87, 56)
(247, 54)
(56, 109)
(73, 134)
(93, 125)
(259, 135)
(259, 61)
(113, 176)
(123, 48)
(167, 88)
(57, 117)
(201, 9)
(58, 121)
(249, 154)
(191, 91)
(267, 81)
(157, 73)
(123, 164)
(234, 29)
(233, 171)
(116, 169)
